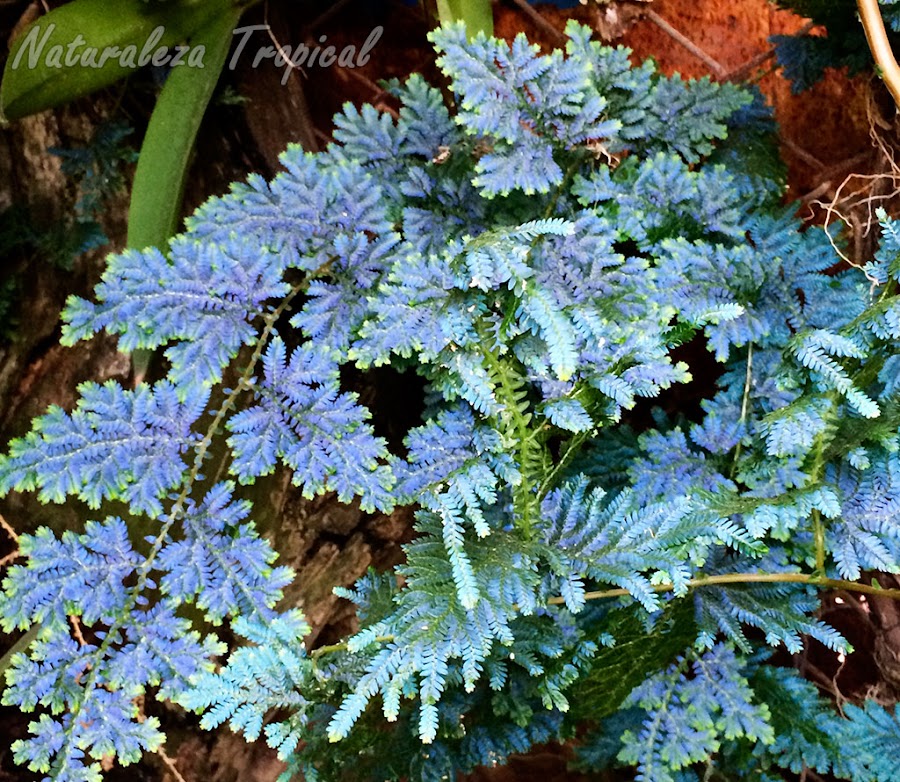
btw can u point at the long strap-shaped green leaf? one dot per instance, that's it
(477, 14)
(159, 181)
(88, 44)
(162, 168)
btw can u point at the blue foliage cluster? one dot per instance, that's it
(535, 255)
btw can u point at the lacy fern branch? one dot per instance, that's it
(535, 253)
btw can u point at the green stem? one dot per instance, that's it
(571, 451)
(818, 530)
(342, 646)
(752, 578)
(745, 407)
(529, 451)
(819, 540)
(816, 470)
(697, 583)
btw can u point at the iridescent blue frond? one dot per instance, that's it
(688, 718)
(221, 563)
(301, 417)
(116, 444)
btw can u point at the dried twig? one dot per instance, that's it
(876, 35)
(716, 67)
(15, 553)
(170, 765)
(5, 525)
(76, 630)
(540, 21)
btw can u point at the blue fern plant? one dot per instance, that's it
(536, 253)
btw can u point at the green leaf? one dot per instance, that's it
(162, 167)
(85, 45)
(617, 670)
(477, 14)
